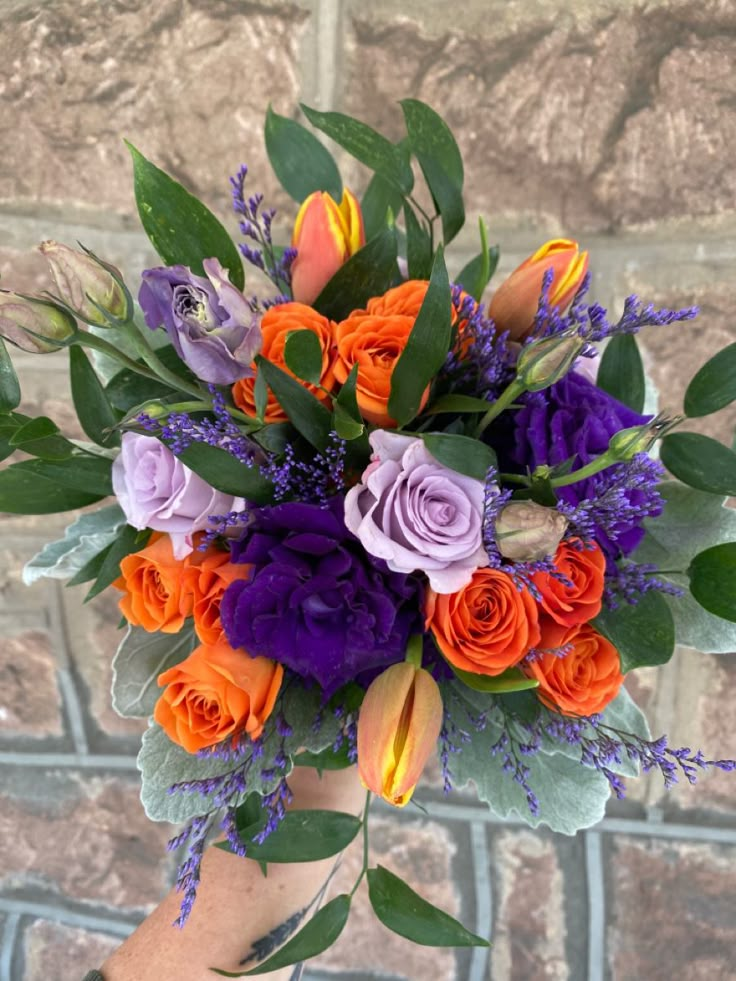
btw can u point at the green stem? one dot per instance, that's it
(201, 406)
(156, 365)
(594, 467)
(364, 868)
(514, 478)
(96, 343)
(503, 402)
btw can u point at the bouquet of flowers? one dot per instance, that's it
(366, 514)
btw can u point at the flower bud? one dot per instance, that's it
(625, 444)
(325, 236)
(82, 281)
(398, 727)
(526, 531)
(513, 306)
(33, 324)
(544, 362)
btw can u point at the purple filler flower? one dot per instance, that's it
(209, 321)
(417, 514)
(156, 490)
(573, 419)
(315, 601)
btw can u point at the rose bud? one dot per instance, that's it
(627, 443)
(514, 304)
(544, 362)
(526, 532)
(398, 727)
(36, 321)
(85, 284)
(325, 236)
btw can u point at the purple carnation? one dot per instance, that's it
(573, 419)
(210, 323)
(315, 601)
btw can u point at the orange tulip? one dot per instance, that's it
(514, 304)
(325, 236)
(398, 727)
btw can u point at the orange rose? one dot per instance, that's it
(215, 693)
(405, 300)
(585, 680)
(486, 627)
(157, 587)
(214, 573)
(564, 606)
(278, 322)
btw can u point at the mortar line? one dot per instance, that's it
(10, 932)
(86, 921)
(596, 906)
(69, 692)
(85, 761)
(483, 899)
(328, 45)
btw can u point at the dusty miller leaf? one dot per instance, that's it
(82, 540)
(139, 660)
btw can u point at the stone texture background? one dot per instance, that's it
(609, 120)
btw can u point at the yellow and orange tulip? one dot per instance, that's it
(514, 304)
(398, 727)
(325, 236)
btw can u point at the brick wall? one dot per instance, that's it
(609, 120)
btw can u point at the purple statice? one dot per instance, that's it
(572, 423)
(315, 601)
(315, 481)
(180, 430)
(629, 581)
(481, 362)
(256, 225)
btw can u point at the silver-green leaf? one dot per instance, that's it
(82, 540)
(139, 660)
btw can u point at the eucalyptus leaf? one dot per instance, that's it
(700, 462)
(140, 658)
(461, 453)
(32, 487)
(691, 522)
(41, 437)
(301, 163)
(457, 404)
(380, 205)
(418, 246)
(223, 472)
(405, 912)
(367, 273)
(621, 371)
(82, 540)
(307, 414)
(327, 759)
(182, 230)
(642, 633)
(712, 576)
(303, 355)
(9, 385)
(302, 836)
(714, 386)
(94, 411)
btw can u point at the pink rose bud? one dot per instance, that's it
(325, 236)
(399, 723)
(514, 304)
(82, 281)
(33, 325)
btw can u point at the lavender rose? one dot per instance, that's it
(417, 514)
(155, 490)
(209, 321)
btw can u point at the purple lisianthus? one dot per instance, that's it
(211, 326)
(417, 514)
(315, 602)
(574, 420)
(155, 490)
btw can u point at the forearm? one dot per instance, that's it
(236, 907)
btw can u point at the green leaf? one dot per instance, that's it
(366, 145)
(643, 634)
(425, 349)
(301, 163)
(91, 569)
(320, 933)
(94, 411)
(457, 404)
(380, 200)
(275, 436)
(127, 389)
(9, 385)
(476, 274)
(700, 462)
(223, 472)
(89, 474)
(163, 763)
(367, 273)
(712, 577)
(328, 759)
(302, 836)
(404, 911)
(306, 413)
(418, 246)
(140, 658)
(181, 229)
(691, 522)
(260, 395)
(461, 453)
(621, 371)
(303, 355)
(41, 437)
(127, 541)
(82, 541)
(510, 680)
(434, 146)
(714, 386)
(32, 487)
(345, 426)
